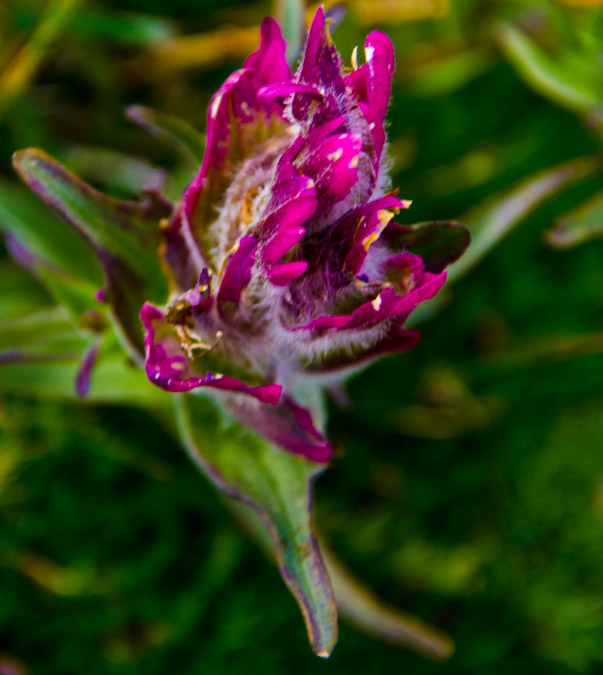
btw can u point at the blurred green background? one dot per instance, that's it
(468, 487)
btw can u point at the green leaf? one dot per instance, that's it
(579, 225)
(75, 295)
(43, 326)
(178, 133)
(366, 612)
(278, 486)
(94, 23)
(125, 230)
(46, 236)
(448, 72)
(546, 75)
(493, 220)
(114, 379)
(111, 169)
(18, 74)
(356, 603)
(291, 17)
(125, 236)
(21, 294)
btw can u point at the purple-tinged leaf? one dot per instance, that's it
(124, 235)
(45, 235)
(126, 231)
(75, 295)
(82, 380)
(490, 222)
(277, 486)
(287, 424)
(342, 361)
(579, 225)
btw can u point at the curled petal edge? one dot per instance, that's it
(171, 370)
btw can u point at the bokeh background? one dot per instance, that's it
(469, 484)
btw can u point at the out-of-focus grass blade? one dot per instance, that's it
(449, 72)
(357, 604)
(370, 12)
(76, 295)
(45, 325)
(110, 169)
(578, 225)
(493, 221)
(114, 380)
(277, 486)
(291, 16)
(94, 21)
(21, 294)
(362, 609)
(548, 77)
(46, 236)
(178, 133)
(205, 50)
(22, 69)
(546, 349)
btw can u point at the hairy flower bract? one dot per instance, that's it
(286, 265)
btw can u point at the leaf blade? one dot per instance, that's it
(177, 132)
(579, 225)
(278, 487)
(497, 217)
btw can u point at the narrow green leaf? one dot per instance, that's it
(278, 487)
(75, 295)
(45, 235)
(52, 375)
(125, 236)
(547, 76)
(18, 74)
(356, 603)
(291, 17)
(579, 225)
(126, 230)
(95, 22)
(493, 221)
(177, 132)
(45, 325)
(21, 294)
(366, 612)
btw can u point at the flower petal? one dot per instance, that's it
(287, 424)
(168, 366)
(237, 120)
(237, 273)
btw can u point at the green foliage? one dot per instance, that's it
(277, 487)
(469, 492)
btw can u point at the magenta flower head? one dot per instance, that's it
(287, 267)
(279, 271)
